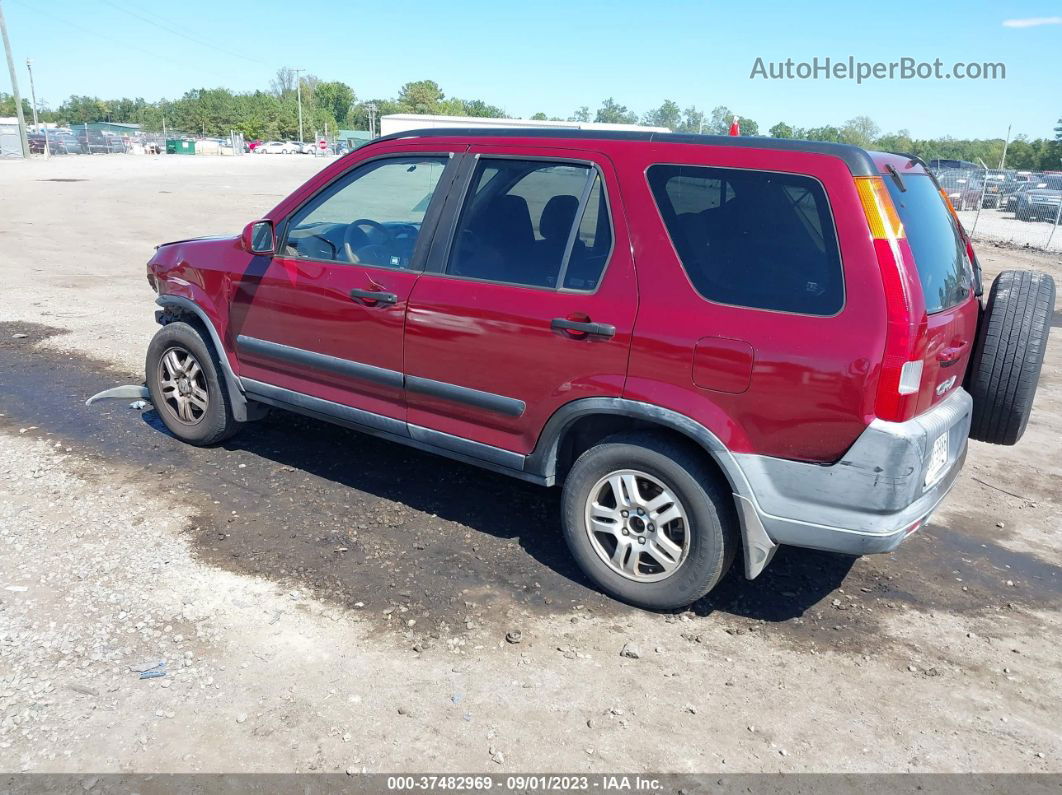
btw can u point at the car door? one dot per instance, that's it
(324, 318)
(527, 302)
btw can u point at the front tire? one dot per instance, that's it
(648, 521)
(187, 387)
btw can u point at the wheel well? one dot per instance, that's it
(592, 429)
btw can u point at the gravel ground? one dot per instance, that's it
(322, 601)
(997, 227)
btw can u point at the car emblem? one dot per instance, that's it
(944, 386)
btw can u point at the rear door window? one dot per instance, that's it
(932, 232)
(533, 223)
(756, 239)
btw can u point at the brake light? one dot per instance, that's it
(901, 367)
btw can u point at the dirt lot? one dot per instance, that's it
(324, 601)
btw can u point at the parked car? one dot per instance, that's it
(1040, 201)
(93, 142)
(36, 142)
(1014, 192)
(277, 148)
(789, 362)
(963, 188)
(995, 184)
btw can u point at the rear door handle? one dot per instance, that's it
(948, 356)
(372, 297)
(576, 327)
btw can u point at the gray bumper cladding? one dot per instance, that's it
(869, 500)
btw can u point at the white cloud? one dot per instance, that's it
(1031, 22)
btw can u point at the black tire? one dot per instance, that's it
(215, 423)
(1011, 341)
(709, 506)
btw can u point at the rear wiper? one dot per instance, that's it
(897, 178)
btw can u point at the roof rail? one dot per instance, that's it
(857, 159)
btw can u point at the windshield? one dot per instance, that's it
(938, 248)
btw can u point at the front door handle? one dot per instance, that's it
(577, 327)
(373, 297)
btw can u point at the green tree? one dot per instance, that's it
(284, 82)
(692, 120)
(721, 119)
(827, 133)
(581, 114)
(667, 115)
(477, 107)
(336, 97)
(860, 131)
(540, 116)
(612, 112)
(781, 130)
(421, 96)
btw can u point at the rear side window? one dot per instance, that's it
(939, 252)
(533, 223)
(755, 239)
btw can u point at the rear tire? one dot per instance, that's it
(662, 477)
(187, 387)
(1005, 368)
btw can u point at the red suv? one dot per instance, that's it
(713, 344)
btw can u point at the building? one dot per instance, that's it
(401, 122)
(353, 138)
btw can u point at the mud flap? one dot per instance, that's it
(759, 548)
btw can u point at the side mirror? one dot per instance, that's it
(259, 238)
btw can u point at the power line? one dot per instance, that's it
(98, 35)
(184, 35)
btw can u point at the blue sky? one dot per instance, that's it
(554, 56)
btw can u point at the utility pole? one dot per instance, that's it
(1006, 143)
(14, 87)
(371, 107)
(298, 94)
(33, 96)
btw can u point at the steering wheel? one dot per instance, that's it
(348, 237)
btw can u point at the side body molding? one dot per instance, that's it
(232, 384)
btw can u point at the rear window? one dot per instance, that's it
(939, 252)
(754, 239)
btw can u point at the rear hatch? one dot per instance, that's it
(945, 272)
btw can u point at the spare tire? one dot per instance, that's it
(1005, 367)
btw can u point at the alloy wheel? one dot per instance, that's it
(637, 525)
(183, 385)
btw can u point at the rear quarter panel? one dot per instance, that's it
(813, 381)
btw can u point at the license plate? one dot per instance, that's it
(938, 459)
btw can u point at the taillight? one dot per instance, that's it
(901, 370)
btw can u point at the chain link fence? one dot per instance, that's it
(62, 141)
(1021, 208)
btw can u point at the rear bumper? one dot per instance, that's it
(871, 499)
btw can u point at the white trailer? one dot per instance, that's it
(401, 122)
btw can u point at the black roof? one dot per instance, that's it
(857, 159)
